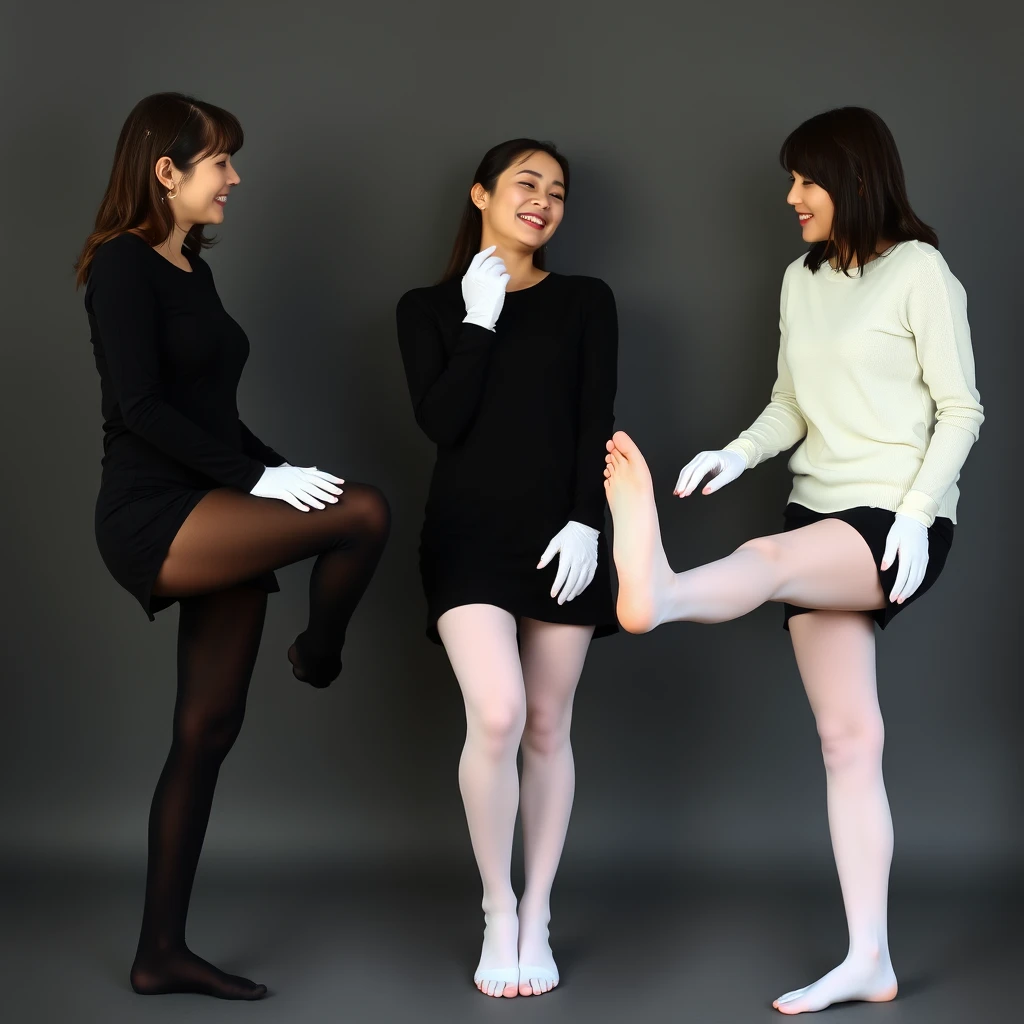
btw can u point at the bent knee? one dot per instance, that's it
(768, 548)
(370, 508)
(853, 743)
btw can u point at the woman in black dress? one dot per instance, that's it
(192, 506)
(504, 357)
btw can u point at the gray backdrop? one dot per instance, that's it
(364, 123)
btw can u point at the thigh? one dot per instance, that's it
(835, 653)
(827, 564)
(480, 640)
(218, 641)
(230, 537)
(552, 655)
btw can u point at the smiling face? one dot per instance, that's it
(813, 207)
(201, 196)
(526, 206)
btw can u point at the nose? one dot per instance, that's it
(794, 195)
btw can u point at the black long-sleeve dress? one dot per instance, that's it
(169, 359)
(520, 417)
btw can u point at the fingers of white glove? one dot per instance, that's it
(902, 574)
(571, 580)
(303, 495)
(564, 565)
(718, 481)
(475, 262)
(699, 468)
(891, 547)
(329, 477)
(492, 266)
(504, 279)
(292, 500)
(318, 491)
(549, 552)
(584, 580)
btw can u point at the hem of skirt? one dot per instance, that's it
(601, 629)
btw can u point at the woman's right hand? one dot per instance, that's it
(723, 467)
(483, 289)
(299, 487)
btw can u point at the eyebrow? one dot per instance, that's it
(537, 174)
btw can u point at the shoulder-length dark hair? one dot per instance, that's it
(496, 161)
(852, 155)
(164, 124)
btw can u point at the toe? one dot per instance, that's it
(624, 443)
(510, 990)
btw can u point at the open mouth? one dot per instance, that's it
(533, 220)
(221, 200)
(805, 217)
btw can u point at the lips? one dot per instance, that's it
(535, 220)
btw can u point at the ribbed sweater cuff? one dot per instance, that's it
(920, 506)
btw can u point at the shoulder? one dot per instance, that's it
(431, 298)
(796, 272)
(122, 251)
(924, 267)
(592, 289)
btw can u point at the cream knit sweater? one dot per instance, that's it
(876, 376)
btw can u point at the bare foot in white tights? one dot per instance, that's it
(537, 971)
(497, 974)
(865, 979)
(645, 577)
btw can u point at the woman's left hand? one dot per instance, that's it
(908, 541)
(576, 546)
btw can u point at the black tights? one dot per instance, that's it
(229, 539)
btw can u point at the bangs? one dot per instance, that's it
(221, 132)
(811, 153)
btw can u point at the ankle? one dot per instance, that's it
(505, 903)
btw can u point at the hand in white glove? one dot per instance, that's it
(907, 540)
(483, 289)
(299, 487)
(723, 466)
(576, 545)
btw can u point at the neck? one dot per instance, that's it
(172, 244)
(518, 262)
(881, 246)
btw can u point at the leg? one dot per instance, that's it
(481, 644)
(826, 565)
(552, 658)
(230, 537)
(835, 652)
(218, 638)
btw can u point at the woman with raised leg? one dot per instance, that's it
(193, 508)
(876, 382)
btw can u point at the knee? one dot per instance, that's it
(766, 548)
(207, 736)
(850, 744)
(373, 511)
(499, 725)
(547, 729)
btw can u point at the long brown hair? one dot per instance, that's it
(852, 155)
(164, 124)
(496, 161)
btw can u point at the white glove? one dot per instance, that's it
(483, 289)
(724, 467)
(577, 560)
(298, 486)
(908, 540)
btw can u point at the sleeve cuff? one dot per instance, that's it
(750, 452)
(919, 506)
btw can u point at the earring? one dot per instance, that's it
(171, 195)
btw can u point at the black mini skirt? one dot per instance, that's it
(874, 524)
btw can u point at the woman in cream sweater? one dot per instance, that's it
(876, 383)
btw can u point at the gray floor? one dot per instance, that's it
(372, 948)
